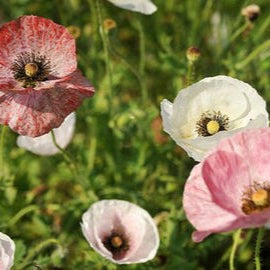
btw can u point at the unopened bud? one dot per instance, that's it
(193, 54)
(251, 12)
(109, 24)
(75, 31)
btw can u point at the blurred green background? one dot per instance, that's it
(119, 147)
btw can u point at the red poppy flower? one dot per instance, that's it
(39, 80)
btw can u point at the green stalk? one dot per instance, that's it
(106, 48)
(264, 46)
(258, 247)
(190, 73)
(33, 252)
(142, 62)
(236, 238)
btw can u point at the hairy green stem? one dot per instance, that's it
(236, 237)
(106, 47)
(190, 73)
(71, 163)
(258, 247)
(34, 252)
(264, 46)
(21, 213)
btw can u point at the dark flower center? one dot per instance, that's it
(256, 198)
(211, 123)
(30, 68)
(117, 244)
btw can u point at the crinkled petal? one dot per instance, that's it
(43, 145)
(35, 112)
(142, 6)
(40, 36)
(213, 194)
(233, 98)
(201, 208)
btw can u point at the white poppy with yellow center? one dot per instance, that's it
(209, 110)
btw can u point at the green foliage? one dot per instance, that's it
(119, 147)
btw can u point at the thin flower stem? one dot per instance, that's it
(142, 62)
(71, 163)
(236, 238)
(4, 128)
(21, 213)
(106, 47)
(67, 158)
(33, 252)
(258, 247)
(264, 46)
(190, 73)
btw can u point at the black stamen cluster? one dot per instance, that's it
(201, 125)
(19, 64)
(117, 252)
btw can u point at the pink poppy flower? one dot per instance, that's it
(7, 249)
(120, 231)
(230, 188)
(39, 80)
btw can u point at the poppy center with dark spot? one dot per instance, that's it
(256, 198)
(30, 68)
(211, 122)
(117, 244)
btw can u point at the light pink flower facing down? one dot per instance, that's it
(120, 231)
(39, 80)
(7, 249)
(230, 188)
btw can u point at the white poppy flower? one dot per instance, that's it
(142, 6)
(120, 231)
(7, 249)
(43, 145)
(209, 110)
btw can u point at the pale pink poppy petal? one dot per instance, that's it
(43, 145)
(218, 195)
(7, 250)
(109, 218)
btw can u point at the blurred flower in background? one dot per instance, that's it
(230, 188)
(251, 12)
(205, 112)
(142, 6)
(39, 80)
(7, 250)
(43, 145)
(120, 231)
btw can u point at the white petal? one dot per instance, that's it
(100, 219)
(44, 145)
(143, 6)
(7, 250)
(231, 97)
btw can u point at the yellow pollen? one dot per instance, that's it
(31, 69)
(260, 197)
(212, 127)
(116, 241)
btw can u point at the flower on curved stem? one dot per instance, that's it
(209, 110)
(44, 145)
(120, 231)
(39, 80)
(142, 6)
(7, 250)
(230, 188)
